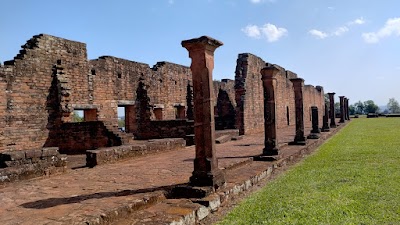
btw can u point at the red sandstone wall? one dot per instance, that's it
(168, 87)
(115, 81)
(249, 94)
(3, 107)
(27, 124)
(249, 97)
(313, 97)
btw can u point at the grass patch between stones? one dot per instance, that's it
(354, 178)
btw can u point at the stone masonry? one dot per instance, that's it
(51, 78)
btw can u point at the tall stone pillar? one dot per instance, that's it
(201, 51)
(348, 109)
(332, 109)
(270, 127)
(342, 111)
(314, 134)
(298, 84)
(325, 125)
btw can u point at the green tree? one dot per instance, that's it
(76, 118)
(121, 122)
(337, 107)
(370, 107)
(359, 107)
(393, 106)
(352, 109)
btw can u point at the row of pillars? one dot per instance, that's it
(206, 171)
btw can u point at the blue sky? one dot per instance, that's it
(350, 47)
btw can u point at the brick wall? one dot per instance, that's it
(51, 77)
(249, 96)
(27, 124)
(76, 138)
(3, 106)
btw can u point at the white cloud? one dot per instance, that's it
(319, 34)
(391, 28)
(359, 21)
(331, 8)
(171, 2)
(255, 1)
(252, 31)
(340, 31)
(271, 32)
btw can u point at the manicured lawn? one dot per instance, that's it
(354, 178)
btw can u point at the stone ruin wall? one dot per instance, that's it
(52, 76)
(313, 96)
(29, 84)
(3, 106)
(249, 96)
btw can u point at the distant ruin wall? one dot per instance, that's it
(250, 96)
(313, 96)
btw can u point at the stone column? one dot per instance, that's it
(348, 109)
(325, 126)
(342, 111)
(332, 109)
(201, 51)
(298, 84)
(270, 127)
(315, 127)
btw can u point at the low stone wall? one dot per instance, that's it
(113, 154)
(76, 138)
(166, 129)
(20, 165)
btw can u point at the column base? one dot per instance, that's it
(341, 121)
(313, 136)
(325, 129)
(214, 179)
(299, 141)
(333, 125)
(270, 152)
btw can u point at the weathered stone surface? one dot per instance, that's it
(269, 75)
(332, 109)
(201, 51)
(298, 84)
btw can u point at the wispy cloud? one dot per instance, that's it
(331, 8)
(318, 34)
(261, 1)
(391, 28)
(171, 2)
(338, 31)
(269, 31)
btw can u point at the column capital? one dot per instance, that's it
(297, 81)
(269, 72)
(331, 93)
(341, 97)
(201, 43)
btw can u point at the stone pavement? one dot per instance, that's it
(96, 195)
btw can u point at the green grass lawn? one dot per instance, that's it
(354, 178)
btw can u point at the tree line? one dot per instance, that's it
(369, 106)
